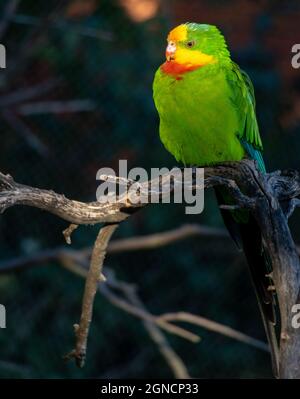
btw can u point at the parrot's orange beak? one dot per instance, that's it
(170, 51)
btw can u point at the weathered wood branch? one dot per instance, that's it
(271, 198)
(76, 212)
(94, 276)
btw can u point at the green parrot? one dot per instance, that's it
(206, 106)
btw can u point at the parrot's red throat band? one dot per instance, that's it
(176, 70)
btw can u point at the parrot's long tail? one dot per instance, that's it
(246, 233)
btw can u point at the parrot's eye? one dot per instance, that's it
(190, 44)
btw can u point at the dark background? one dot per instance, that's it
(76, 96)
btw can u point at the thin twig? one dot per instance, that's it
(68, 232)
(141, 314)
(72, 264)
(135, 243)
(76, 262)
(91, 284)
(171, 357)
(27, 93)
(215, 327)
(162, 320)
(165, 238)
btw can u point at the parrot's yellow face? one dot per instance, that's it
(184, 48)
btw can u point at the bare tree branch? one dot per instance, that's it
(173, 360)
(76, 262)
(215, 327)
(93, 277)
(136, 308)
(165, 238)
(270, 198)
(27, 93)
(68, 232)
(105, 211)
(136, 243)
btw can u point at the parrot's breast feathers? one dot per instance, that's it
(176, 70)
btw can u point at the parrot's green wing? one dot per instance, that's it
(243, 99)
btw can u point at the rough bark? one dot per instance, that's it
(271, 198)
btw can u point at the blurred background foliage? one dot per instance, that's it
(76, 96)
